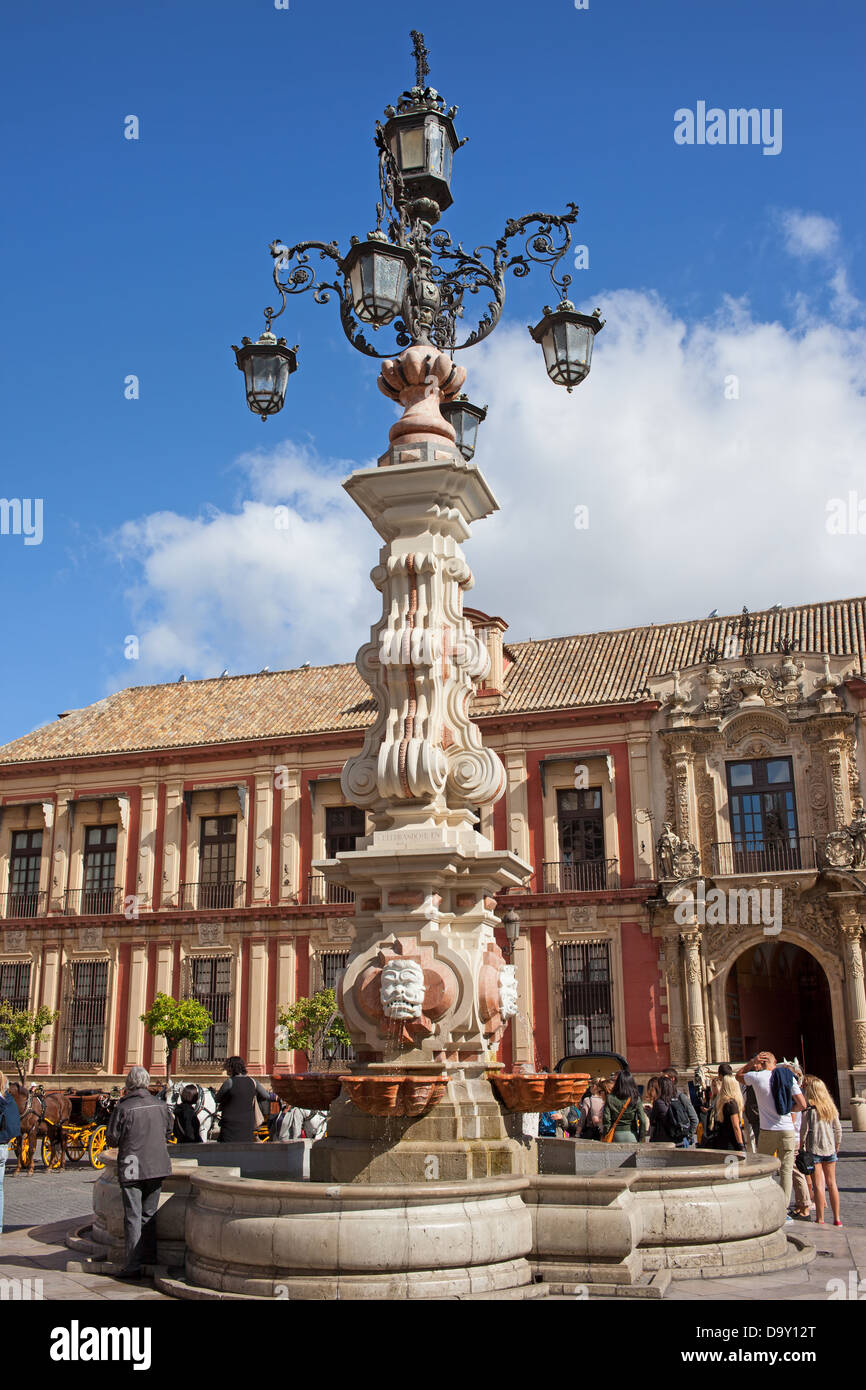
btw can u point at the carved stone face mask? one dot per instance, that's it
(402, 989)
(508, 991)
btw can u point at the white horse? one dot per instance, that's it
(291, 1122)
(205, 1105)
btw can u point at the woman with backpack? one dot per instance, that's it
(624, 1119)
(670, 1122)
(586, 1119)
(821, 1139)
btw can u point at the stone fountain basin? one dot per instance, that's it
(308, 1090)
(532, 1094)
(400, 1094)
(596, 1215)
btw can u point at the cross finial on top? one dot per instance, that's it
(422, 68)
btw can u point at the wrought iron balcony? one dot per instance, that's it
(208, 896)
(23, 904)
(92, 902)
(584, 876)
(318, 891)
(760, 856)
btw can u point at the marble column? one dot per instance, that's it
(695, 1031)
(673, 977)
(852, 936)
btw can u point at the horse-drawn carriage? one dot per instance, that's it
(85, 1132)
(66, 1125)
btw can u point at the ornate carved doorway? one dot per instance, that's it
(777, 997)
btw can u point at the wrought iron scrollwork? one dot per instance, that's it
(443, 273)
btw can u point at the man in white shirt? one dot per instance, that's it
(777, 1137)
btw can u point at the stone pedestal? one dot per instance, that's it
(465, 1136)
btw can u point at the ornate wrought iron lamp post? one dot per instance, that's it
(417, 279)
(426, 993)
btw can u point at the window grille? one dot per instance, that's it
(587, 1007)
(84, 1013)
(209, 981)
(330, 965)
(15, 991)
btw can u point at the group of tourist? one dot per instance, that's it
(769, 1107)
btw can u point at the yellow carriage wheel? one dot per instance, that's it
(75, 1145)
(97, 1143)
(50, 1154)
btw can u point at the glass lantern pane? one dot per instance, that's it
(447, 155)
(390, 279)
(435, 143)
(578, 344)
(548, 347)
(411, 149)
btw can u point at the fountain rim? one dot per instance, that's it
(364, 1194)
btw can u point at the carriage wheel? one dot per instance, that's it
(97, 1143)
(74, 1145)
(50, 1153)
(22, 1148)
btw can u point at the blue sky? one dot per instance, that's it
(150, 257)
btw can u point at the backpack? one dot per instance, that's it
(10, 1120)
(679, 1125)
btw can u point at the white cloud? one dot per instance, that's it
(256, 586)
(809, 234)
(696, 501)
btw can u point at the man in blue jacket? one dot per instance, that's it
(10, 1128)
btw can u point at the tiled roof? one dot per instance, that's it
(556, 673)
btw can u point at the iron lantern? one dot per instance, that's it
(422, 141)
(566, 339)
(464, 418)
(378, 277)
(267, 365)
(511, 923)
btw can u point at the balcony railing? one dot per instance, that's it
(585, 876)
(92, 902)
(22, 904)
(207, 896)
(756, 856)
(318, 891)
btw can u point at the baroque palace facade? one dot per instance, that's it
(688, 794)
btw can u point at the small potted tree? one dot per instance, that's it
(313, 1027)
(176, 1020)
(21, 1034)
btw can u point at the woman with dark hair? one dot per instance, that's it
(670, 1118)
(658, 1120)
(624, 1112)
(236, 1101)
(186, 1125)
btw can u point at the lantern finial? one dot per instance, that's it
(422, 68)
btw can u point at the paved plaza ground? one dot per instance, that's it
(42, 1208)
